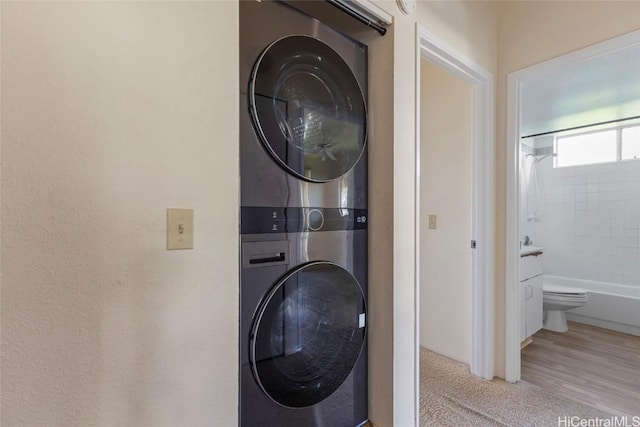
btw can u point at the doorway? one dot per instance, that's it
(481, 345)
(515, 130)
(446, 165)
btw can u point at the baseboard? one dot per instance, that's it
(614, 326)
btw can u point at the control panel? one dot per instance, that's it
(259, 220)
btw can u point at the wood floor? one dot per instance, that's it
(591, 365)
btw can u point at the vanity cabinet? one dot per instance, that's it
(531, 266)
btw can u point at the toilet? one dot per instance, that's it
(558, 299)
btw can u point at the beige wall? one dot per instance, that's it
(446, 116)
(470, 27)
(531, 32)
(112, 113)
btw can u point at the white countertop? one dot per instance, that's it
(528, 250)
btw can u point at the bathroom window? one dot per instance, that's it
(630, 143)
(587, 148)
(601, 146)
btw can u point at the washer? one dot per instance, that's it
(303, 194)
(303, 353)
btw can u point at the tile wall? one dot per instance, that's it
(590, 221)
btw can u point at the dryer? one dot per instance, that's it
(303, 121)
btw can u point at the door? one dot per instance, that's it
(307, 108)
(308, 334)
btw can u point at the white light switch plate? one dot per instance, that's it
(179, 229)
(432, 222)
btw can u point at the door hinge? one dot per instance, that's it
(473, 244)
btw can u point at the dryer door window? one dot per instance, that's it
(308, 334)
(308, 109)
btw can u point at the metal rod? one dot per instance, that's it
(357, 15)
(581, 127)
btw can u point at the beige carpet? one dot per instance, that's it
(451, 396)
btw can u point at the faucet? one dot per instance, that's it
(527, 241)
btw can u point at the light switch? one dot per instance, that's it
(179, 229)
(432, 222)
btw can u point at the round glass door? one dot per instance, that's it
(308, 109)
(308, 334)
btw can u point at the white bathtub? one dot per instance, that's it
(610, 305)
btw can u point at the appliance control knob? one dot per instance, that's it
(315, 219)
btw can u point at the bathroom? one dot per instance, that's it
(577, 169)
(579, 187)
(580, 199)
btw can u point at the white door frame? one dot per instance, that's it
(514, 88)
(440, 53)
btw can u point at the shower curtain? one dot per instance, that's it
(535, 201)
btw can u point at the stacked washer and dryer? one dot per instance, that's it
(303, 186)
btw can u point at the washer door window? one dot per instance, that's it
(308, 334)
(308, 109)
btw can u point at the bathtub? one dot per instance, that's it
(610, 305)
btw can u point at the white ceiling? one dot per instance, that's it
(596, 90)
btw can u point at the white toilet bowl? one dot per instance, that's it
(558, 299)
